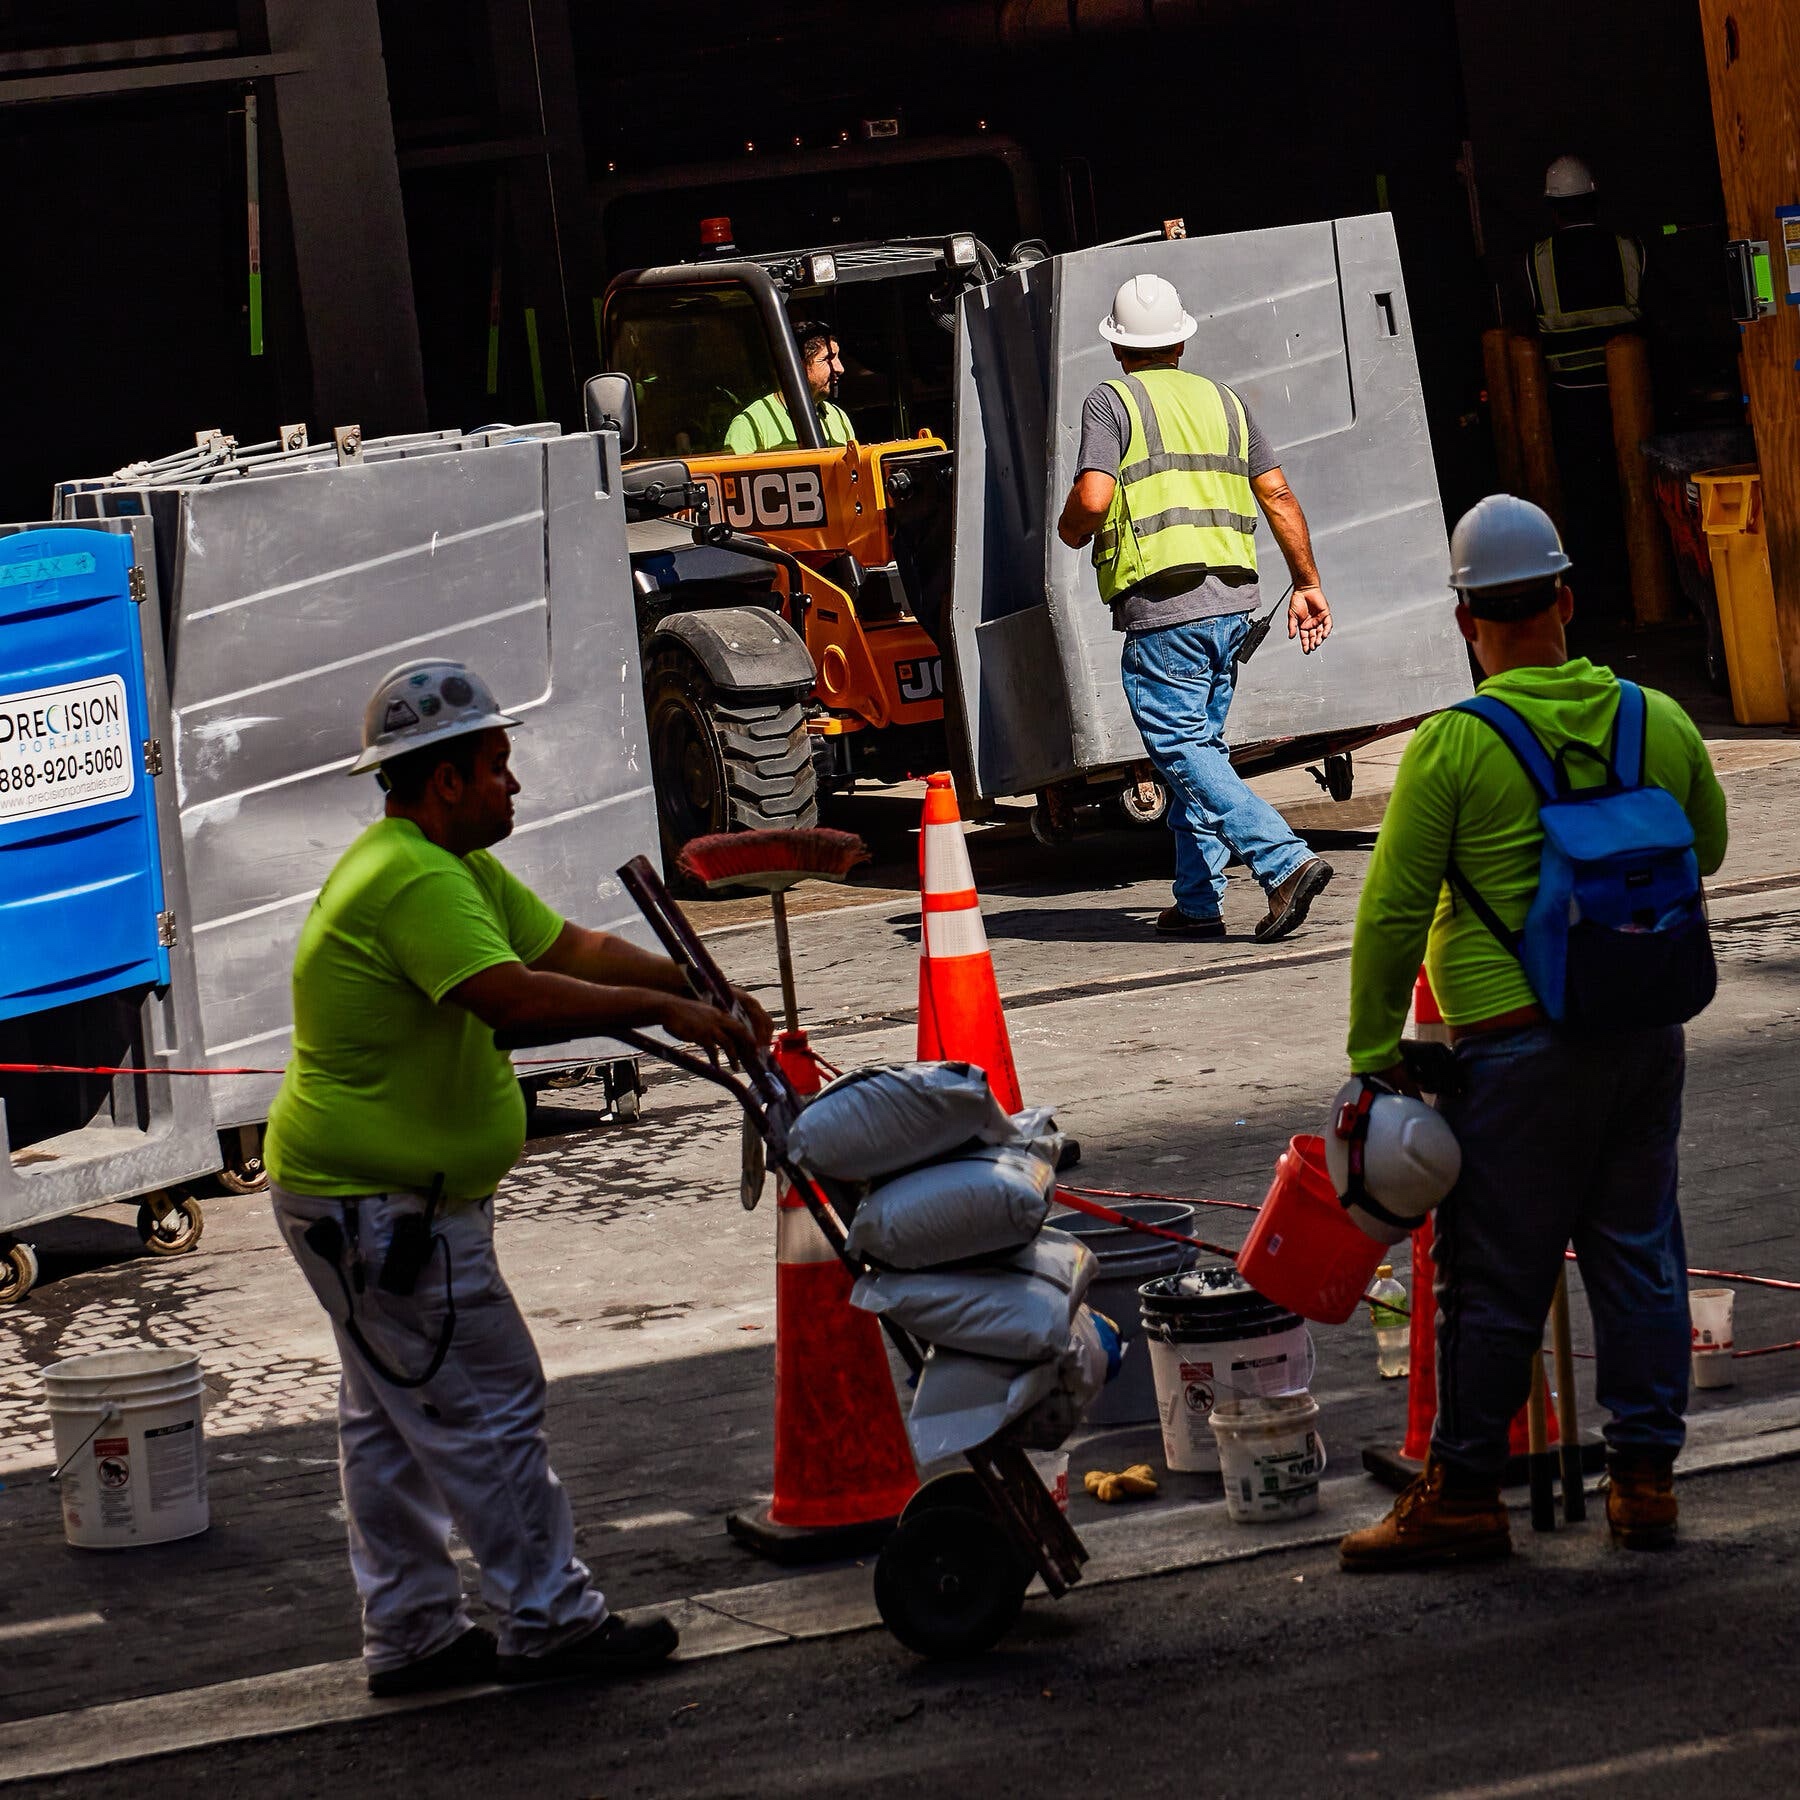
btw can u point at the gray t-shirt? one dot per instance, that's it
(1180, 596)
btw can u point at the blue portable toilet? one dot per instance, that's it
(81, 885)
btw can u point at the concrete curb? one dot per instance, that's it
(838, 1601)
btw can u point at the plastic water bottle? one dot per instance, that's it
(1393, 1330)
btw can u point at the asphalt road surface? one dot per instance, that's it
(1574, 1669)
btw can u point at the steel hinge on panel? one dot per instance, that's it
(140, 587)
(165, 930)
(152, 756)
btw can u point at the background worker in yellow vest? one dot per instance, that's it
(764, 424)
(1586, 283)
(1171, 470)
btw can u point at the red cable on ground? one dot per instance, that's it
(1133, 1194)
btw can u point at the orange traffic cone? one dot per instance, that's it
(959, 1000)
(843, 1465)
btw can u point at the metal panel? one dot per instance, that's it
(295, 593)
(1309, 323)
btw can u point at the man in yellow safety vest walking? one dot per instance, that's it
(1172, 468)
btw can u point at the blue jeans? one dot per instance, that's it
(1178, 683)
(1564, 1140)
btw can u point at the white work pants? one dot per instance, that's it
(466, 1448)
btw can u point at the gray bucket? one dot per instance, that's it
(1127, 1260)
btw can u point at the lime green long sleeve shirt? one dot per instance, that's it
(1459, 788)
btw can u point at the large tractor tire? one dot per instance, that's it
(724, 761)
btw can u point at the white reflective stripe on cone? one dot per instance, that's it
(958, 933)
(947, 868)
(798, 1238)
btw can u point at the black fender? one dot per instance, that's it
(744, 649)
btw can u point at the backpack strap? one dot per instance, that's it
(1629, 735)
(1519, 738)
(1522, 741)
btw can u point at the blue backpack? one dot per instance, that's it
(1616, 938)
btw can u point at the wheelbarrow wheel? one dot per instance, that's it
(950, 1581)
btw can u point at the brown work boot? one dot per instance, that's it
(1447, 1514)
(1640, 1498)
(1290, 900)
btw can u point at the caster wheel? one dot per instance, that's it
(18, 1273)
(1049, 832)
(1340, 776)
(628, 1107)
(247, 1178)
(169, 1224)
(949, 1582)
(1144, 803)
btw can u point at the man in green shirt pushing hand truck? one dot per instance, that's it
(396, 1120)
(1570, 1062)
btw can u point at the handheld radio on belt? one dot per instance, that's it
(1253, 638)
(407, 1254)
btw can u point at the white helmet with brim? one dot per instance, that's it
(424, 703)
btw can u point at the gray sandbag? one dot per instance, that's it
(873, 1121)
(962, 1400)
(956, 1210)
(1021, 1310)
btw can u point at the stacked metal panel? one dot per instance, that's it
(1309, 324)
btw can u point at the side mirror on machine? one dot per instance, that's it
(609, 403)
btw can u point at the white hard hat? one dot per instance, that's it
(1147, 315)
(1503, 542)
(423, 703)
(1391, 1158)
(1568, 178)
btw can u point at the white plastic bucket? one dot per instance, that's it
(1053, 1471)
(1271, 1456)
(1192, 1378)
(1709, 1314)
(130, 1446)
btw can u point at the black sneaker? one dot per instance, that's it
(1173, 922)
(613, 1647)
(465, 1661)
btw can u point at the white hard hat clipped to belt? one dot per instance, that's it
(1147, 314)
(1391, 1158)
(423, 703)
(1568, 178)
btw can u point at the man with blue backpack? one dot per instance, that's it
(1543, 851)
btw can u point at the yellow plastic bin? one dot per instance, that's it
(1731, 515)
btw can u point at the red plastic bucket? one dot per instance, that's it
(1304, 1252)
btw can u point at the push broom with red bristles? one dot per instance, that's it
(772, 862)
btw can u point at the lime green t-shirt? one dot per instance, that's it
(1461, 791)
(387, 1088)
(765, 425)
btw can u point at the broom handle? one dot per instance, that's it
(784, 957)
(1567, 1415)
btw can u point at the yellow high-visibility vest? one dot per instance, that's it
(1183, 498)
(1575, 342)
(764, 425)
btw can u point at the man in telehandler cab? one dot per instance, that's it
(765, 425)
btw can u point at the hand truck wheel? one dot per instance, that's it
(950, 1581)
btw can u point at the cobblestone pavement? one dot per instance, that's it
(650, 1290)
